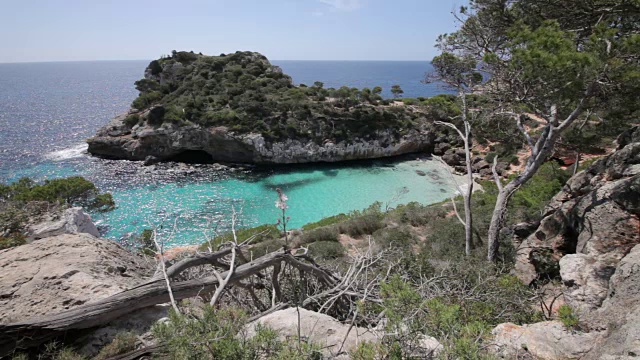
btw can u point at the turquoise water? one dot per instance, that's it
(200, 198)
(48, 109)
(314, 193)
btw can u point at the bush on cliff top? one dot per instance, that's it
(73, 191)
(245, 93)
(25, 199)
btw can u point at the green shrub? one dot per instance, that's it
(12, 240)
(326, 221)
(266, 247)
(121, 344)
(416, 214)
(219, 334)
(326, 250)
(365, 351)
(400, 237)
(531, 198)
(144, 243)
(364, 222)
(410, 101)
(56, 351)
(132, 120)
(73, 190)
(145, 100)
(327, 233)
(568, 318)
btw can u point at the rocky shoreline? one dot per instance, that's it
(172, 142)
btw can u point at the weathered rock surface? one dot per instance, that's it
(64, 271)
(596, 215)
(330, 333)
(620, 313)
(71, 221)
(546, 340)
(590, 239)
(318, 328)
(169, 141)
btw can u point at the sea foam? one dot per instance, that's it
(75, 151)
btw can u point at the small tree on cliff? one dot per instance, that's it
(459, 73)
(547, 67)
(397, 91)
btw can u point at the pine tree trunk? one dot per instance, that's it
(468, 218)
(497, 221)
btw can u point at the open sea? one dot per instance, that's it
(47, 110)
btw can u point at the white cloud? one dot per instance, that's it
(343, 5)
(317, 13)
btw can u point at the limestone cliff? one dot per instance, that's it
(240, 108)
(200, 144)
(589, 239)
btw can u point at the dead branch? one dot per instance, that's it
(222, 283)
(35, 331)
(160, 252)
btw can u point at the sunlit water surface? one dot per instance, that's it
(48, 109)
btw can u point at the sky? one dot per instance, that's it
(72, 30)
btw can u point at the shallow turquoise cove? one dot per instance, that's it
(313, 195)
(201, 199)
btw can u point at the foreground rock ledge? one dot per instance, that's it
(61, 272)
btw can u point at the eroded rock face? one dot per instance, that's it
(116, 141)
(596, 215)
(590, 239)
(61, 272)
(620, 313)
(71, 221)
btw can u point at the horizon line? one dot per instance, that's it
(114, 60)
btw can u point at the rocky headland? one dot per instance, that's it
(240, 108)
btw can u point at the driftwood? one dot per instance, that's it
(36, 331)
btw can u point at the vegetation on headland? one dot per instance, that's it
(244, 92)
(24, 200)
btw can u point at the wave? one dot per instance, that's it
(68, 153)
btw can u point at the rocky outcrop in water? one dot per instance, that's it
(589, 238)
(241, 108)
(199, 144)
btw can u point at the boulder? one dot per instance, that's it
(71, 221)
(62, 272)
(586, 281)
(317, 328)
(523, 230)
(545, 340)
(481, 165)
(151, 160)
(329, 333)
(451, 159)
(589, 238)
(441, 148)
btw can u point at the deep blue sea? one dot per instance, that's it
(47, 110)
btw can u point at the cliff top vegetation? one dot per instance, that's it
(246, 93)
